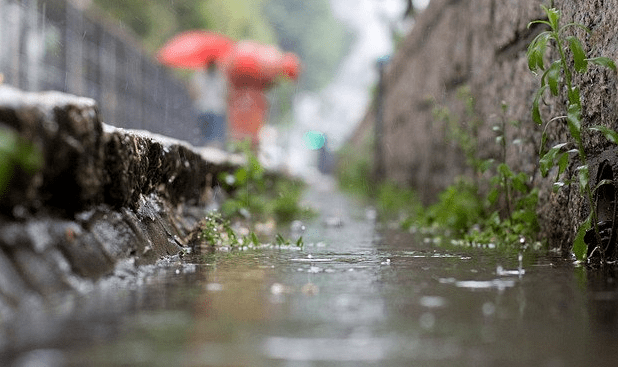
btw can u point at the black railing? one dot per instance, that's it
(56, 45)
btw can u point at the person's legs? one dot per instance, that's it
(212, 127)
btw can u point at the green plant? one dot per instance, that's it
(464, 130)
(557, 78)
(247, 186)
(354, 169)
(15, 151)
(217, 233)
(507, 213)
(459, 207)
(396, 202)
(506, 216)
(511, 190)
(259, 195)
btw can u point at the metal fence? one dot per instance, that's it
(57, 45)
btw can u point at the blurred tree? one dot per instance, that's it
(239, 19)
(410, 11)
(155, 21)
(309, 29)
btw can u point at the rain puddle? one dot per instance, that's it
(348, 298)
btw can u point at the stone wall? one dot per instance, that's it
(482, 44)
(104, 196)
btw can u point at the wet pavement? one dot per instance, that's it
(350, 297)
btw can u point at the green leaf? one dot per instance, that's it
(603, 61)
(553, 77)
(574, 121)
(553, 16)
(9, 143)
(602, 183)
(536, 51)
(579, 246)
(538, 22)
(16, 150)
(563, 162)
(574, 97)
(583, 177)
(543, 141)
(548, 160)
(280, 240)
(485, 165)
(610, 135)
(536, 113)
(493, 196)
(557, 186)
(519, 182)
(532, 55)
(505, 170)
(241, 176)
(579, 56)
(254, 239)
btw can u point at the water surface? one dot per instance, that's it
(350, 297)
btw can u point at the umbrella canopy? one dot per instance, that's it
(291, 65)
(194, 49)
(250, 64)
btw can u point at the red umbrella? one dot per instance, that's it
(251, 64)
(291, 65)
(194, 49)
(251, 68)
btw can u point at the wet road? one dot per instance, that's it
(348, 298)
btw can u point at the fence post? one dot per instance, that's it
(74, 53)
(33, 46)
(3, 31)
(12, 42)
(107, 68)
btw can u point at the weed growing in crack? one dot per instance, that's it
(506, 215)
(494, 209)
(557, 78)
(257, 195)
(216, 234)
(512, 190)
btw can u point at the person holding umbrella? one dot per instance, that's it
(253, 68)
(202, 50)
(250, 67)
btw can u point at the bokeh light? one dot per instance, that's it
(314, 140)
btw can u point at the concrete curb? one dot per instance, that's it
(104, 196)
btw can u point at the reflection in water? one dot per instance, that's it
(348, 298)
(603, 299)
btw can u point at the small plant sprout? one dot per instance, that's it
(283, 242)
(557, 78)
